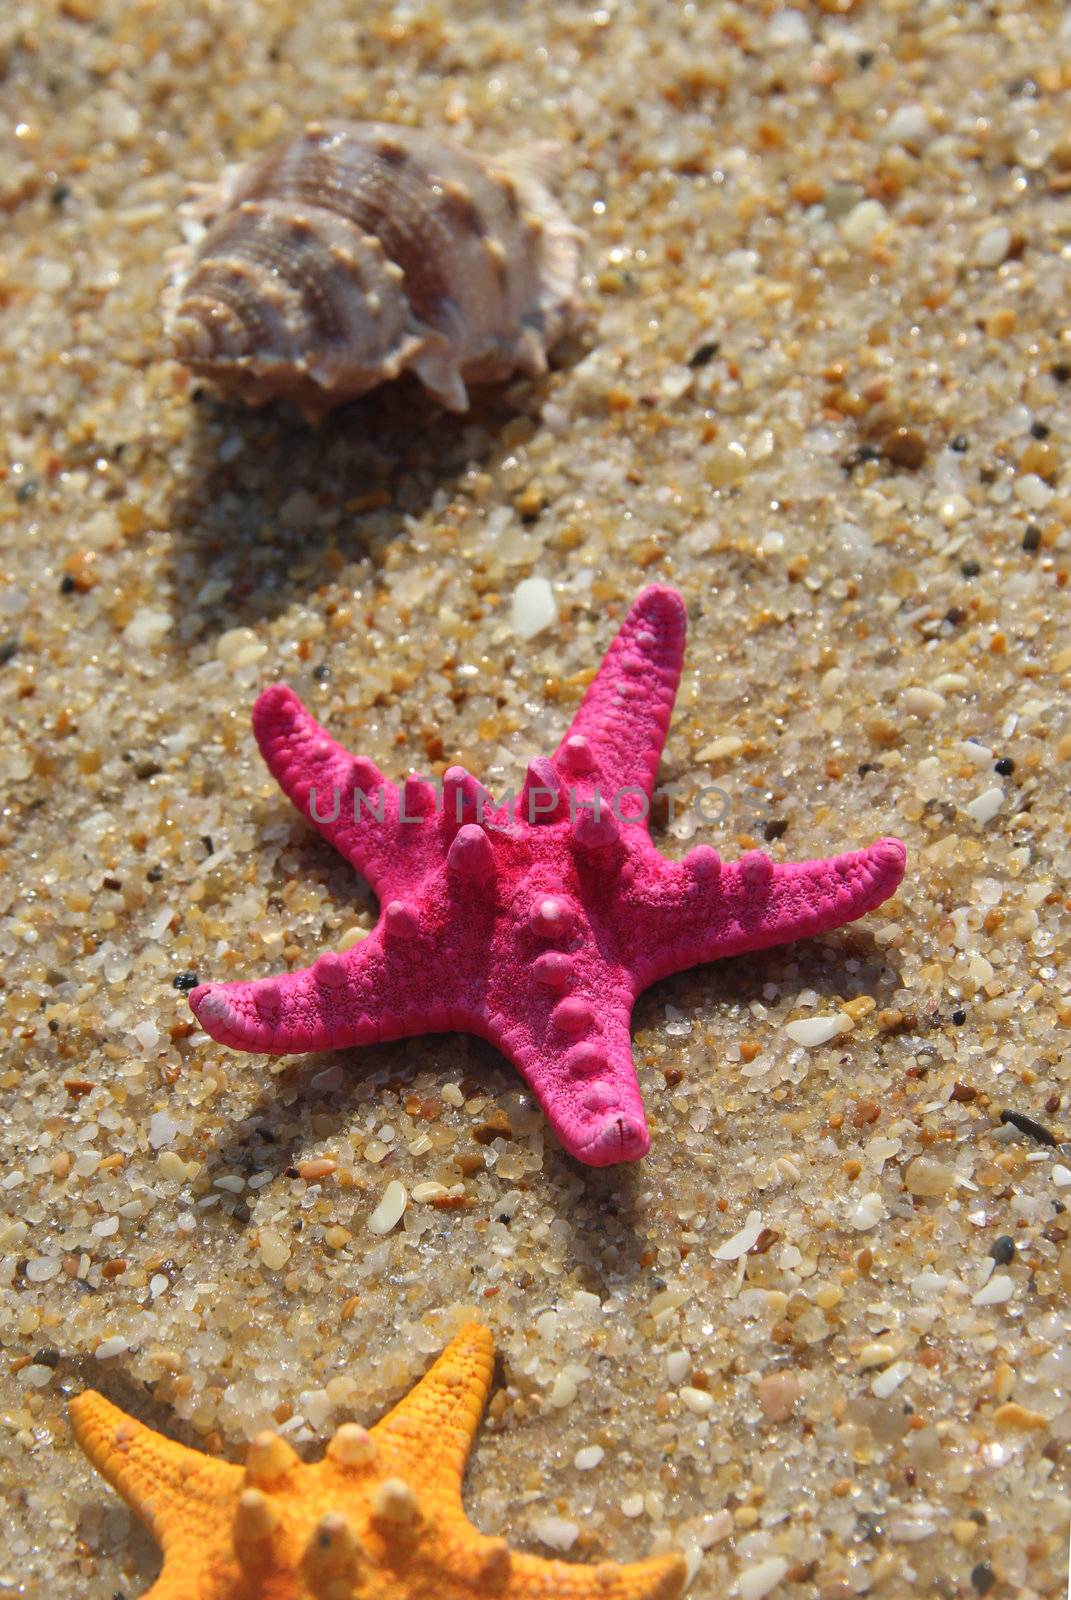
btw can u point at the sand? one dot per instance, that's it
(820, 1334)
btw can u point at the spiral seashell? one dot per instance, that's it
(359, 250)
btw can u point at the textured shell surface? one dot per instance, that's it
(358, 250)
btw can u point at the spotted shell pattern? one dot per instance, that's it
(359, 250)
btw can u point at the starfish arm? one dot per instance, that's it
(345, 797)
(659, 1578)
(389, 986)
(180, 1580)
(578, 1063)
(700, 909)
(615, 740)
(162, 1481)
(427, 1437)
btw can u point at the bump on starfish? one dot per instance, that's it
(534, 925)
(379, 1517)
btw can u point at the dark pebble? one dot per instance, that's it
(185, 981)
(1040, 430)
(955, 615)
(26, 491)
(983, 1577)
(8, 647)
(67, 585)
(704, 354)
(959, 1018)
(773, 830)
(959, 443)
(970, 569)
(1031, 538)
(1005, 766)
(322, 672)
(1061, 372)
(859, 458)
(1003, 1249)
(1033, 1130)
(905, 447)
(60, 193)
(154, 874)
(48, 1357)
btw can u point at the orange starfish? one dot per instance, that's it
(378, 1518)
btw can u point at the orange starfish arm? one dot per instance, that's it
(162, 1481)
(660, 1578)
(426, 1439)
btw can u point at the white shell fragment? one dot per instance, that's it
(359, 250)
(388, 1212)
(812, 1031)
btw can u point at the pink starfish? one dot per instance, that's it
(534, 925)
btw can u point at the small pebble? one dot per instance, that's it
(424, 1193)
(924, 1176)
(878, 1353)
(862, 226)
(109, 1348)
(556, 1532)
(996, 1292)
(812, 1031)
(35, 1376)
(868, 1213)
(992, 247)
(778, 1393)
(678, 1365)
(1018, 1418)
(319, 1167)
(389, 1211)
(148, 627)
(533, 608)
(757, 1581)
(588, 1457)
(984, 807)
(1032, 491)
(43, 1268)
(727, 745)
(563, 1390)
(274, 1249)
(240, 647)
(787, 29)
(910, 126)
(162, 1129)
(741, 1242)
(883, 1384)
(924, 702)
(905, 447)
